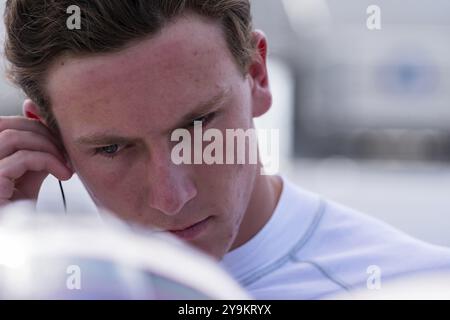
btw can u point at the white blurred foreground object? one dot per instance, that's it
(74, 257)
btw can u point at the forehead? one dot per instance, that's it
(155, 78)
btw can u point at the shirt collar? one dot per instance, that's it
(290, 220)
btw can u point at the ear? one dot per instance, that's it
(259, 79)
(31, 110)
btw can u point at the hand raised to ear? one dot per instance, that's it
(28, 154)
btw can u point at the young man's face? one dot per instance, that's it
(116, 113)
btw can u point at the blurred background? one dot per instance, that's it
(364, 115)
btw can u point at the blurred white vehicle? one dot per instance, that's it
(75, 257)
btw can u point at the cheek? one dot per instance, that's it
(109, 185)
(95, 172)
(228, 186)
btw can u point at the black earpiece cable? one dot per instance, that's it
(63, 196)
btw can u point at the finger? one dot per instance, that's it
(16, 165)
(4, 202)
(12, 140)
(25, 124)
(6, 188)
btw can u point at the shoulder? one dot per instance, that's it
(349, 245)
(338, 248)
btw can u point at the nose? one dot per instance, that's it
(170, 187)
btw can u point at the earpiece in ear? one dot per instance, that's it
(31, 116)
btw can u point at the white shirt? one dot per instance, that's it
(312, 248)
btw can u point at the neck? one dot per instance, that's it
(263, 201)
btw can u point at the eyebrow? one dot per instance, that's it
(104, 139)
(199, 111)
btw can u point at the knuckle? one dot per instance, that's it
(8, 134)
(22, 155)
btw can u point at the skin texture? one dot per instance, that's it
(137, 97)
